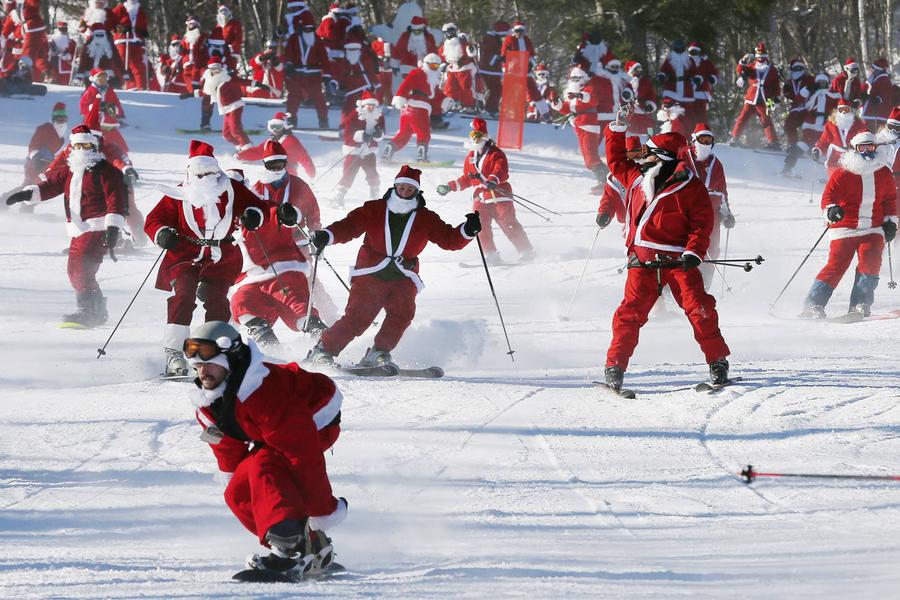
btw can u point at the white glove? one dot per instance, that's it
(739, 82)
(399, 102)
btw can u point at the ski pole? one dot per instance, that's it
(808, 254)
(891, 284)
(581, 278)
(336, 163)
(494, 294)
(722, 261)
(523, 205)
(312, 289)
(333, 270)
(725, 286)
(552, 212)
(284, 288)
(102, 351)
(749, 474)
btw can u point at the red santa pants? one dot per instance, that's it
(867, 247)
(302, 89)
(368, 295)
(85, 255)
(589, 144)
(132, 56)
(267, 300)
(792, 124)
(765, 120)
(352, 164)
(460, 85)
(412, 120)
(233, 130)
(698, 112)
(214, 295)
(641, 293)
(494, 86)
(112, 135)
(504, 213)
(386, 80)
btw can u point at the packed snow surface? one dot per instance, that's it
(502, 479)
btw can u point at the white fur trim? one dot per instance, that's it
(329, 412)
(203, 161)
(275, 157)
(617, 128)
(114, 220)
(330, 236)
(256, 372)
(326, 522)
(262, 217)
(83, 138)
(462, 230)
(406, 180)
(692, 254)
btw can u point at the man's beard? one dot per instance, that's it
(268, 176)
(434, 77)
(221, 20)
(844, 120)
(204, 191)
(61, 129)
(474, 146)
(79, 160)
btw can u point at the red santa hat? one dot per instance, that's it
(701, 129)
(518, 25)
(214, 62)
(630, 65)
(200, 155)
(175, 41)
(192, 22)
(760, 50)
(408, 175)
(843, 102)
(501, 27)
(882, 64)
(62, 25)
(273, 151)
(666, 145)
(307, 19)
(850, 63)
(695, 46)
(95, 72)
(418, 22)
(82, 135)
(632, 143)
(894, 118)
(540, 67)
(367, 98)
(480, 125)
(59, 110)
(279, 119)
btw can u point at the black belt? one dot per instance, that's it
(205, 242)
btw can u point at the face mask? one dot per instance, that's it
(795, 75)
(203, 191)
(703, 151)
(476, 147)
(844, 120)
(867, 155)
(268, 176)
(61, 128)
(353, 56)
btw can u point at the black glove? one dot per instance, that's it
(251, 219)
(491, 185)
(111, 237)
(185, 95)
(728, 221)
(473, 224)
(22, 196)
(603, 220)
(890, 231)
(691, 261)
(835, 213)
(318, 240)
(132, 174)
(660, 77)
(287, 214)
(167, 238)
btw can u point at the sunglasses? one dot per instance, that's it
(434, 66)
(83, 146)
(844, 110)
(205, 349)
(798, 69)
(476, 135)
(275, 165)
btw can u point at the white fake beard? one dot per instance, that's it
(367, 116)
(648, 183)
(221, 19)
(61, 41)
(402, 206)
(453, 51)
(679, 60)
(434, 77)
(205, 191)
(175, 54)
(795, 75)
(268, 176)
(309, 38)
(191, 36)
(855, 163)
(79, 160)
(99, 47)
(761, 66)
(417, 45)
(703, 151)
(61, 129)
(353, 56)
(474, 146)
(572, 88)
(844, 120)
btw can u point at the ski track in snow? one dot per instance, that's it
(500, 479)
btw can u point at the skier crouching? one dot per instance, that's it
(268, 426)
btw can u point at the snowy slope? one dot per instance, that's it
(502, 479)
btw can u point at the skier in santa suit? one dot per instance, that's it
(35, 46)
(306, 67)
(413, 46)
(669, 218)
(194, 65)
(232, 32)
(62, 53)
(280, 131)
(100, 94)
(10, 50)
(678, 75)
(94, 196)
(879, 91)
(258, 299)
(333, 31)
(361, 137)
(643, 96)
(293, 11)
(414, 101)
(614, 198)
(225, 92)
(130, 31)
(383, 51)
(459, 84)
(673, 118)
(98, 53)
(268, 73)
(609, 86)
(579, 101)
(842, 126)
(889, 135)
(819, 107)
(195, 223)
(848, 83)
(355, 72)
(268, 425)
(796, 92)
(96, 13)
(711, 172)
(703, 87)
(46, 141)
(170, 71)
(386, 274)
(518, 41)
(547, 90)
(763, 84)
(490, 65)
(592, 53)
(486, 171)
(860, 204)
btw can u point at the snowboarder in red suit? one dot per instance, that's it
(279, 127)
(860, 205)
(130, 31)
(397, 228)
(224, 90)
(95, 205)
(195, 223)
(271, 257)
(361, 137)
(879, 91)
(486, 171)
(46, 141)
(268, 425)
(414, 101)
(306, 67)
(841, 127)
(669, 218)
(763, 84)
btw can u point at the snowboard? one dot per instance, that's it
(502, 263)
(72, 325)
(623, 392)
(432, 164)
(201, 132)
(709, 388)
(267, 576)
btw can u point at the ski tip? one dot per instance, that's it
(261, 576)
(71, 325)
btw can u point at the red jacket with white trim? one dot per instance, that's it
(491, 165)
(762, 84)
(834, 141)
(45, 138)
(307, 59)
(712, 174)
(296, 153)
(489, 57)
(584, 109)
(818, 108)
(511, 43)
(124, 29)
(110, 110)
(679, 71)
(416, 89)
(612, 202)
(355, 79)
(878, 86)
(403, 56)
(677, 219)
(868, 200)
(849, 89)
(294, 413)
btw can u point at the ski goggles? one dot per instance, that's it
(205, 349)
(706, 139)
(275, 165)
(866, 147)
(844, 109)
(434, 66)
(60, 119)
(476, 135)
(83, 146)
(798, 69)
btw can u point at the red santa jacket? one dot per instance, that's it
(371, 220)
(292, 412)
(405, 56)
(613, 200)
(128, 28)
(110, 108)
(712, 174)
(456, 53)
(818, 108)
(94, 198)
(354, 131)
(416, 89)
(850, 89)
(278, 240)
(217, 223)
(172, 73)
(333, 31)
(489, 58)
(195, 58)
(678, 72)
(308, 60)
(296, 153)
(511, 43)
(834, 140)
(491, 165)
(868, 199)
(607, 89)
(233, 32)
(797, 92)
(880, 91)
(62, 53)
(709, 75)
(678, 218)
(45, 138)
(355, 79)
(762, 84)
(112, 153)
(226, 95)
(584, 109)
(382, 50)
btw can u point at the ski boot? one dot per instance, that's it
(319, 357)
(718, 372)
(375, 357)
(176, 365)
(260, 331)
(862, 308)
(814, 311)
(614, 377)
(90, 312)
(315, 325)
(773, 146)
(422, 153)
(288, 556)
(493, 258)
(387, 154)
(339, 193)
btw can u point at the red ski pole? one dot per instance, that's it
(749, 474)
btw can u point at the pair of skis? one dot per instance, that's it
(704, 386)
(391, 370)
